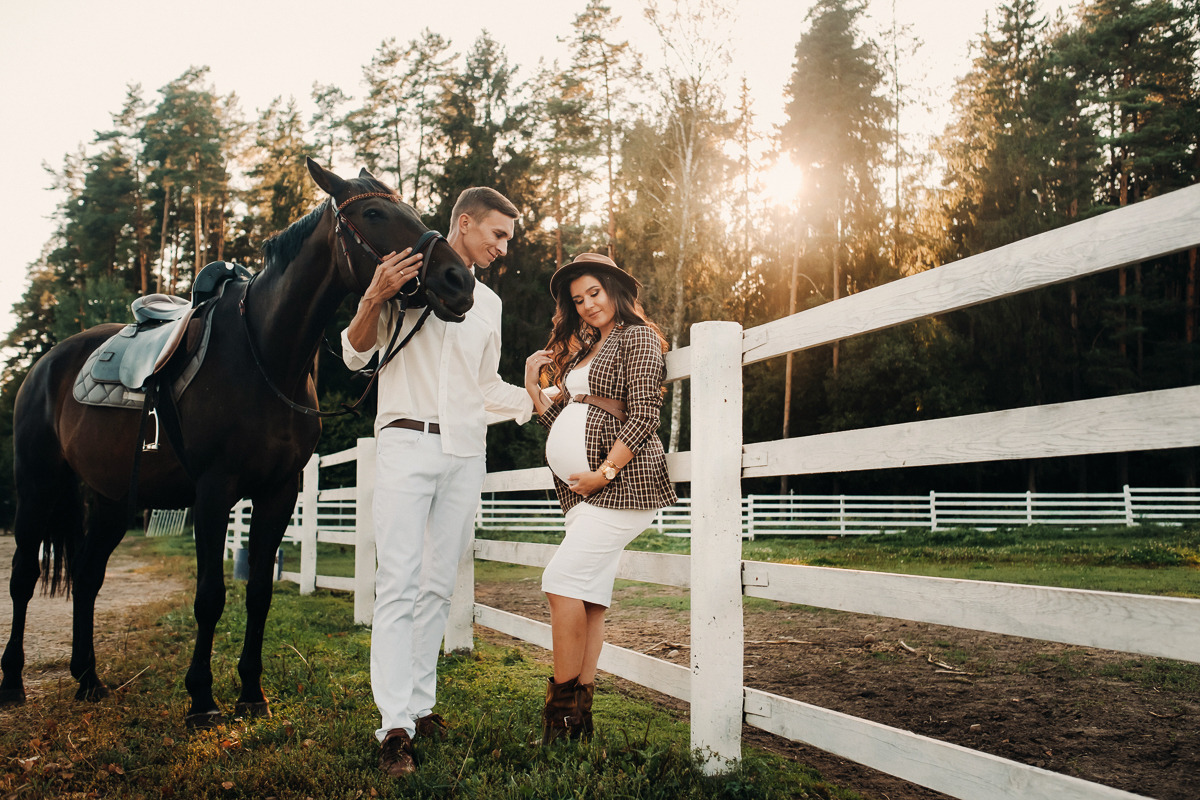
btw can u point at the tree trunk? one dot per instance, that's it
(837, 287)
(1189, 314)
(162, 248)
(1122, 292)
(608, 136)
(1137, 315)
(677, 387)
(221, 231)
(198, 215)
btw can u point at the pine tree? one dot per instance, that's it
(607, 68)
(328, 124)
(836, 131)
(187, 140)
(565, 142)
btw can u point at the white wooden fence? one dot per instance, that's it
(795, 514)
(1156, 626)
(791, 514)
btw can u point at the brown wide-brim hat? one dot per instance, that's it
(592, 263)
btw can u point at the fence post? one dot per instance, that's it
(460, 625)
(750, 517)
(308, 525)
(718, 637)
(842, 514)
(1128, 506)
(932, 511)
(1028, 507)
(364, 533)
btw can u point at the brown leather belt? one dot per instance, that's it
(609, 404)
(414, 425)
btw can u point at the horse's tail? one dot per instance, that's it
(59, 539)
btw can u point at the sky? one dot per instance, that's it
(66, 65)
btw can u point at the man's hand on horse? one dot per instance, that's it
(393, 272)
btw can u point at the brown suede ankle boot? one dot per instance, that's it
(583, 696)
(561, 714)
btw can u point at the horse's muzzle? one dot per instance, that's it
(444, 312)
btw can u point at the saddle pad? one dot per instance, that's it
(90, 391)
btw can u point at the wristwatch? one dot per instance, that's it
(609, 470)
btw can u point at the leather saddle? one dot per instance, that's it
(118, 371)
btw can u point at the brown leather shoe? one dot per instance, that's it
(584, 692)
(561, 713)
(432, 725)
(396, 756)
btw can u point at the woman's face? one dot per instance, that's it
(593, 304)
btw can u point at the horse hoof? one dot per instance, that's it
(12, 697)
(92, 693)
(252, 710)
(204, 721)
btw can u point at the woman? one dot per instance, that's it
(609, 469)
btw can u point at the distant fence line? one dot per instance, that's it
(795, 514)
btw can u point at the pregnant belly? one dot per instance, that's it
(566, 451)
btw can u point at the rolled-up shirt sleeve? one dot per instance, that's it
(355, 359)
(644, 373)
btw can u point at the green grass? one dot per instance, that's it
(319, 741)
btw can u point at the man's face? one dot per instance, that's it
(486, 239)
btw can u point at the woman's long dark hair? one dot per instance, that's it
(571, 338)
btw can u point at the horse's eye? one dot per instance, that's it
(372, 213)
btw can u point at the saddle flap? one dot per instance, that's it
(106, 366)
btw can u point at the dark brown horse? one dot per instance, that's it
(240, 432)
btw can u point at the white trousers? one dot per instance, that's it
(425, 504)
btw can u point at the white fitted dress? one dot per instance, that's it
(585, 565)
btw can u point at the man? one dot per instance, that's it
(430, 432)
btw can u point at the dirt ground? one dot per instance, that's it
(128, 583)
(1021, 699)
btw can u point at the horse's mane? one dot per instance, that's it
(284, 246)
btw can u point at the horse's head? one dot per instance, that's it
(373, 222)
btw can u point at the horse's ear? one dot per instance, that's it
(366, 173)
(331, 183)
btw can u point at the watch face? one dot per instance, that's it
(610, 473)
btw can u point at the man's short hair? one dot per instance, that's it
(477, 201)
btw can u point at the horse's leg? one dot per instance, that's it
(106, 525)
(268, 523)
(43, 502)
(210, 518)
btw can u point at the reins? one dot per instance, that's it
(424, 246)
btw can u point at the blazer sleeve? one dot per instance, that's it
(548, 416)
(644, 373)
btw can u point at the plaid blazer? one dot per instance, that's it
(628, 367)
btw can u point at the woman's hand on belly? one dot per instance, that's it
(586, 483)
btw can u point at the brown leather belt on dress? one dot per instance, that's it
(609, 404)
(414, 425)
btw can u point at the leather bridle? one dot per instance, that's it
(424, 245)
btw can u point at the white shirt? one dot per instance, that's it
(448, 374)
